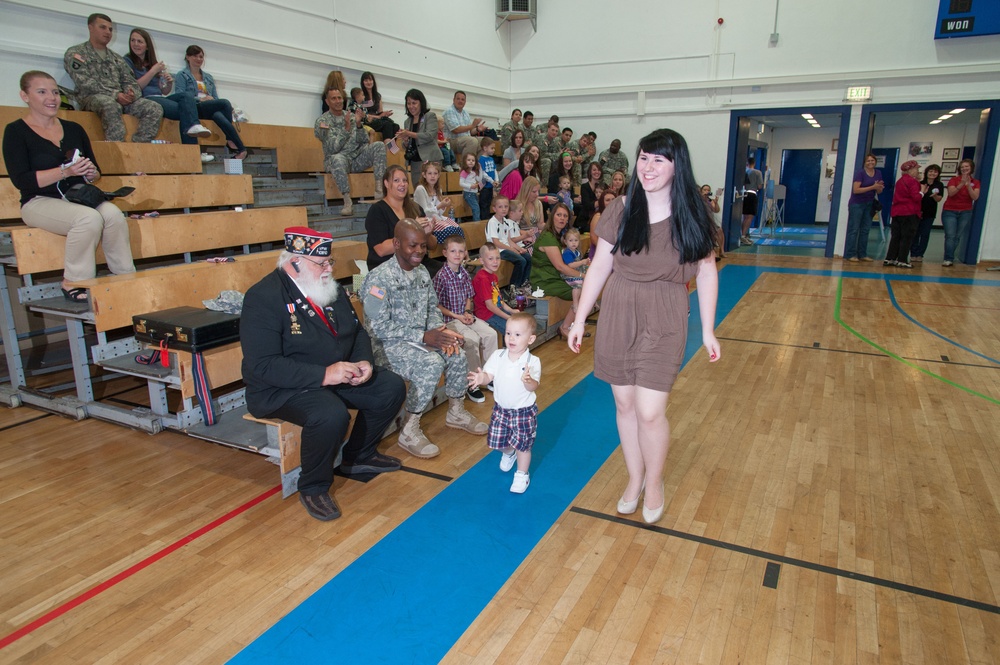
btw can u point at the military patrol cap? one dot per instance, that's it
(307, 242)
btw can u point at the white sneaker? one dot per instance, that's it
(507, 461)
(449, 168)
(520, 483)
(199, 130)
(207, 157)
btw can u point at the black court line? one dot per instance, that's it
(814, 347)
(799, 563)
(803, 346)
(25, 422)
(429, 474)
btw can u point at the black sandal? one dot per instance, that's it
(75, 295)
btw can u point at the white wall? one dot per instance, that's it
(619, 70)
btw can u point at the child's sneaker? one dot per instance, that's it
(520, 482)
(507, 461)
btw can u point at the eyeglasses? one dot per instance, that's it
(328, 263)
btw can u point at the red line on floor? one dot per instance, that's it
(125, 574)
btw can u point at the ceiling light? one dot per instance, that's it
(956, 111)
(934, 122)
(944, 117)
(807, 116)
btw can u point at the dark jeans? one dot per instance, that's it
(220, 111)
(485, 201)
(859, 225)
(903, 229)
(522, 266)
(324, 419)
(183, 108)
(922, 237)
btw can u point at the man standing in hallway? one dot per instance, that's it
(105, 84)
(753, 182)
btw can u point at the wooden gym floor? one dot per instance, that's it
(833, 491)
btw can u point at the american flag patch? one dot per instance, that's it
(377, 291)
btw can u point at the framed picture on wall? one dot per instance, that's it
(950, 153)
(835, 145)
(949, 168)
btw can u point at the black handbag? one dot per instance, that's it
(876, 205)
(412, 154)
(85, 194)
(91, 196)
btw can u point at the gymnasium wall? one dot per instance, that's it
(618, 70)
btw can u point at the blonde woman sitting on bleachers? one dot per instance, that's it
(45, 156)
(346, 148)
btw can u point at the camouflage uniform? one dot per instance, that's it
(347, 152)
(551, 149)
(507, 132)
(611, 163)
(533, 135)
(98, 81)
(574, 148)
(399, 307)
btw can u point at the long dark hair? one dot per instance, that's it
(375, 96)
(692, 226)
(410, 207)
(534, 166)
(150, 58)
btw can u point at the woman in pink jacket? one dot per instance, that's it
(906, 199)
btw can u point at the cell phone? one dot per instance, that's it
(74, 158)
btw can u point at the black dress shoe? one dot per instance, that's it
(321, 506)
(377, 463)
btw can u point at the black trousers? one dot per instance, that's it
(903, 229)
(324, 419)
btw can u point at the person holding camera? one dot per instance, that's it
(418, 137)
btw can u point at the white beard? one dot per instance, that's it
(321, 290)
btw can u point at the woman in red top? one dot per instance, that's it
(956, 216)
(906, 199)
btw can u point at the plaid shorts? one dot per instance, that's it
(513, 427)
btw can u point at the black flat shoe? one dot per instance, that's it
(75, 295)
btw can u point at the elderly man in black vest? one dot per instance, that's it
(307, 359)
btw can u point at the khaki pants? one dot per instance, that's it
(480, 341)
(463, 144)
(83, 227)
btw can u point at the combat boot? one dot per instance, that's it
(459, 418)
(412, 439)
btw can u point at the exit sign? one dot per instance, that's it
(859, 93)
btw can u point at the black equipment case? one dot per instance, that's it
(187, 328)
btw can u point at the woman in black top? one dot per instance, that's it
(928, 211)
(379, 119)
(383, 215)
(588, 196)
(45, 156)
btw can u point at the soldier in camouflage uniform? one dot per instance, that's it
(346, 147)
(508, 129)
(532, 132)
(549, 145)
(105, 84)
(582, 152)
(401, 313)
(613, 159)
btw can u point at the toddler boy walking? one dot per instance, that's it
(515, 374)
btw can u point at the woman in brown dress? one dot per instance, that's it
(651, 243)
